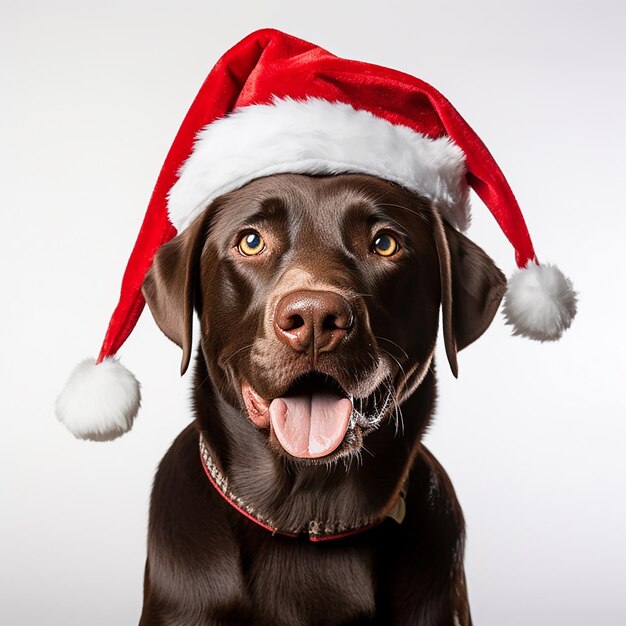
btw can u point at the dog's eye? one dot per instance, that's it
(251, 243)
(384, 245)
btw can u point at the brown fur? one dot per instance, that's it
(208, 564)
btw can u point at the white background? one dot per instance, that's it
(532, 435)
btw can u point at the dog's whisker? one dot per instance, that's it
(365, 449)
(203, 381)
(404, 352)
(397, 413)
(236, 352)
(399, 418)
(390, 398)
(395, 359)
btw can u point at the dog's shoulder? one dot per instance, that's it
(189, 533)
(432, 498)
(183, 500)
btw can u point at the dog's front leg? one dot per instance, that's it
(427, 607)
(195, 608)
(426, 579)
(193, 574)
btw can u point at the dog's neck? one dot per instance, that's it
(348, 492)
(315, 530)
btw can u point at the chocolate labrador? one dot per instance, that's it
(302, 494)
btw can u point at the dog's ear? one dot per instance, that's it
(471, 289)
(171, 283)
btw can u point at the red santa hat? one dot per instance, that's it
(276, 104)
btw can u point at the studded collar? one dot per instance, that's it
(314, 530)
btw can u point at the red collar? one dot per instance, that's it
(315, 530)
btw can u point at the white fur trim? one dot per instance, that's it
(100, 401)
(540, 302)
(315, 136)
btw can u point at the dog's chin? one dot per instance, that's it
(315, 420)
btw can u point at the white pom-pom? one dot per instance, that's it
(540, 302)
(99, 402)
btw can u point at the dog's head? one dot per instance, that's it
(319, 301)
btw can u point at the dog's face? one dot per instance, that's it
(319, 300)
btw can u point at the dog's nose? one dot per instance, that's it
(312, 320)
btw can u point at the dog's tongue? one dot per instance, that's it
(310, 426)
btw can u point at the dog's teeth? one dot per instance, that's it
(352, 421)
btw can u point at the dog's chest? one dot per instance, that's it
(304, 583)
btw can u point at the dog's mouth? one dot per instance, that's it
(310, 420)
(312, 417)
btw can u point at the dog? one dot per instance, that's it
(302, 494)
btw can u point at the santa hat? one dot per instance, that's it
(277, 104)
